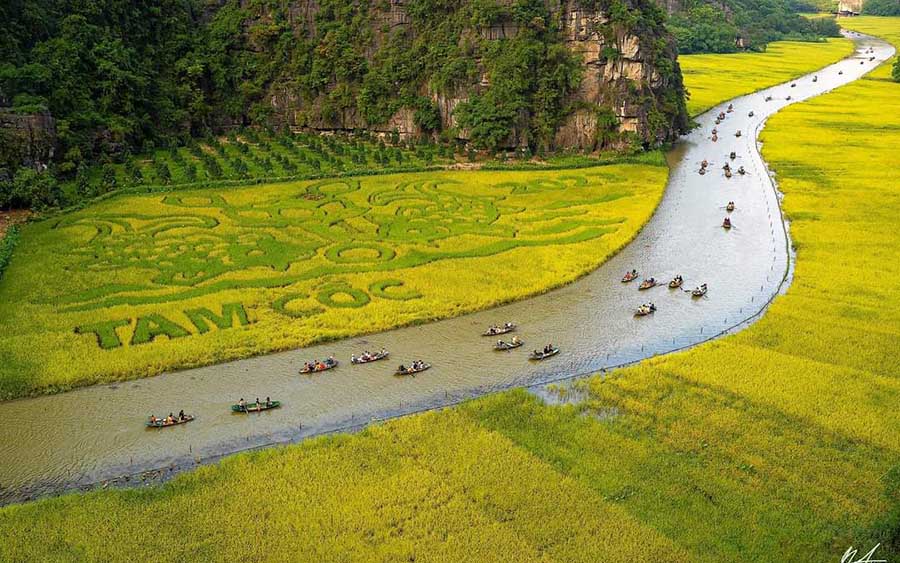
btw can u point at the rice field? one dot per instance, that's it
(711, 79)
(141, 283)
(780, 442)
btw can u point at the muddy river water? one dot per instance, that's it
(96, 433)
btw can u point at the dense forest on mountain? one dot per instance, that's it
(881, 7)
(105, 79)
(705, 27)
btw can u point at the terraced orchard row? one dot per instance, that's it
(257, 154)
(142, 283)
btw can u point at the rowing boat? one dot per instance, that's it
(413, 371)
(370, 359)
(253, 407)
(331, 364)
(496, 330)
(161, 423)
(538, 356)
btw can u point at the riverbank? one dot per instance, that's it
(656, 470)
(710, 79)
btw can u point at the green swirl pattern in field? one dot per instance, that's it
(143, 283)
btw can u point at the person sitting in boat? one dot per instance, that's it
(181, 416)
(402, 368)
(501, 344)
(383, 352)
(170, 419)
(750, 114)
(354, 359)
(548, 348)
(242, 404)
(508, 326)
(726, 167)
(738, 134)
(268, 402)
(330, 361)
(727, 222)
(705, 163)
(257, 403)
(153, 419)
(515, 339)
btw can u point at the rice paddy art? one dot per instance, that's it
(143, 283)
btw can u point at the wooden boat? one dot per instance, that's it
(327, 365)
(676, 282)
(630, 276)
(497, 330)
(372, 358)
(413, 371)
(161, 423)
(645, 310)
(539, 355)
(253, 407)
(504, 346)
(730, 207)
(699, 291)
(647, 284)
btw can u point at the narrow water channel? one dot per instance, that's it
(84, 436)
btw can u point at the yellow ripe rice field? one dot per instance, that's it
(779, 443)
(714, 78)
(138, 284)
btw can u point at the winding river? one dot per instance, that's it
(89, 435)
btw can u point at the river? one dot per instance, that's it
(53, 443)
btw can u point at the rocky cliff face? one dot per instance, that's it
(29, 139)
(630, 86)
